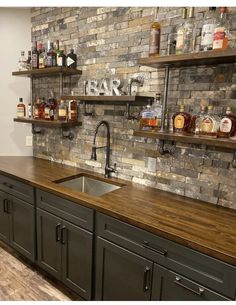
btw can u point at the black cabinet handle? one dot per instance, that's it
(178, 282)
(5, 205)
(146, 279)
(159, 251)
(58, 232)
(63, 235)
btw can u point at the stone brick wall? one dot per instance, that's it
(108, 42)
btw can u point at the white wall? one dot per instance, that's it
(15, 35)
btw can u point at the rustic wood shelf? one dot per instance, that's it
(48, 123)
(191, 59)
(113, 99)
(191, 139)
(48, 71)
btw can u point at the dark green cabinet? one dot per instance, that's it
(17, 224)
(65, 251)
(121, 275)
(171, 286)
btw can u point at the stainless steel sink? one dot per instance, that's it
(89, 185)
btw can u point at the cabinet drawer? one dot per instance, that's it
(17, 188)
(205, 270)
(65, 209)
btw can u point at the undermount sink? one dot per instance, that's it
(89, 185)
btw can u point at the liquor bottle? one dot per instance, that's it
(61, 60)
(71, 60)
(57, 49)
(148, 120)
(180, 33)
(154, 37)
(227, 125)
(189, 33)
(181, 121)
(22, 63)
(29, 110)
(35, 56)
(62, 111)
(51, 56)
(28, 62)
(42, 59)
(72, 111)
(221, 32)
(20, 109)
(39, 109)
(157, 107)
(209, 125)
(208, 28)
(49, 110)
(196, 120)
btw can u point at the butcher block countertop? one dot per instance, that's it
(205, 227)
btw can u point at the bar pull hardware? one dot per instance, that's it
(178, 282)
(58, 227)
(5, 205)
(146, 279)
(63, 235)
(159, 251)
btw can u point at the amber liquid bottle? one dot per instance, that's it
(227, 125)
(72, 111)
(181, 121)
(155, 35)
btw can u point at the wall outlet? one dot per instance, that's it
(28, 141)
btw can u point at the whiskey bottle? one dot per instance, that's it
(62, 111)
(57, 49)
(28, 62)
(22, 63)
(148, 120)
(221, 32)
(154, 37)
(35, 56)
(180, 33)
(61, 59)
(51, 56)
(157, 108)
(196, 120)
(209, 125)
(72, 111)
(189, 33)
(181, 121)
(71, 60)
(227, 125)
(42, 59)
(208, 28)
(20, 109)
(48, 110)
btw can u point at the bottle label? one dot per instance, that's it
(62, 113)
(36, 112)
(207, 34)
(225, 125)
(47, 112)
(41, 62)
(20, 112)
(34, 60)
(207, 125)
(180, 40)
(179, 121)
(49, 61)
(59, 61)
(219, 36)
(154, 44)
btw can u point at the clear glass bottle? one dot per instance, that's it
(157, 107)
(209, 125)
(154, 37)
(180, 33)
(227, 124)
(189, 33)
(208, 28)
(62, 111)
(20, 109)
(221, 32)
(148, 120)
(181, 121)
(196, 120)
(22, 63)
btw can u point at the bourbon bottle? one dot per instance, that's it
(154, 38)
(72, 111)
(227, 125)
(209, 125)
(20, 110)
(181, 121)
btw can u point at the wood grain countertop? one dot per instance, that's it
(205, 227)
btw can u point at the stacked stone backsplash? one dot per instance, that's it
(109, 41)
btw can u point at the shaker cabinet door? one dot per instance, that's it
(4, 217)
(49, 242)
(121, 274)
(22, 227)
(77, 259)
(170, 286)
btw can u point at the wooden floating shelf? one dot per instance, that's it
(191, 139)
(191, 59)
(47, 123)
(48, 71)
(115, 99)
